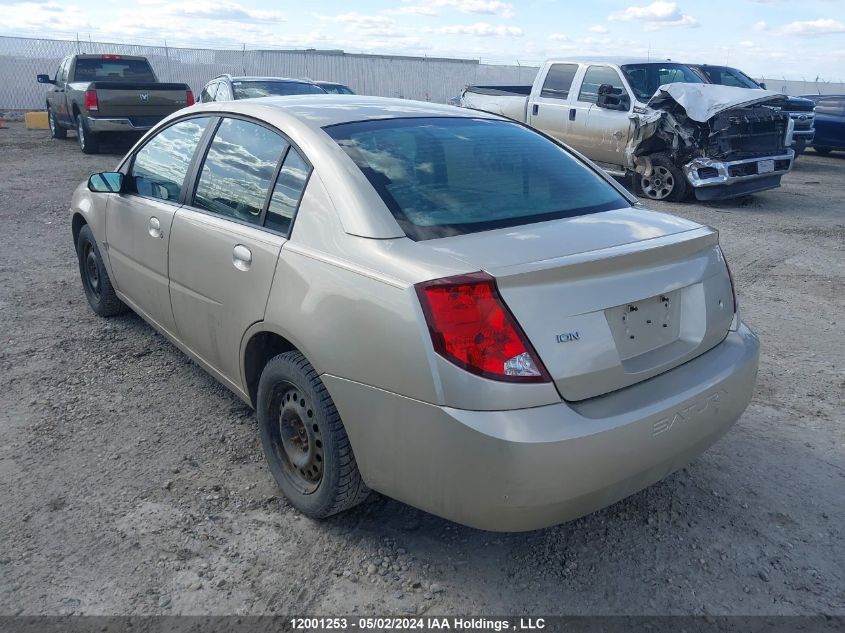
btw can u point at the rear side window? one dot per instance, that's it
(113, 69)
(207, 94)
(594, 78)
(559, 81)
(287, 193)
(238, 170)
(159, 167)
(454, 175)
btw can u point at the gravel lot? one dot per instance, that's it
(135, 484)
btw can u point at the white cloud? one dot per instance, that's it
(655, 15)
(823, 26)
(559, 37)
(760, 26)
(598, 28)
(372, 25)
(482, 29)
(746, 43)
(484, 7)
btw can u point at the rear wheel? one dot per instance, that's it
(304, 440)
(666, 181)
(824, 151)
(89, 143)
(56, 130)
(95, 280)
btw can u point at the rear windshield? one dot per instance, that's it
(135, 70)
(645, 79)
(336, 89)
(255, 89)
(450, 176)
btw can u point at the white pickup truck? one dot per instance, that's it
(656, 121)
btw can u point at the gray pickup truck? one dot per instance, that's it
(657, 122)
(99, 94)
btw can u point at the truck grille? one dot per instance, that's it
(748, 131)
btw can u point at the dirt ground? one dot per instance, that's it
(132, 483)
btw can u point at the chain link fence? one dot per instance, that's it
(424, 78)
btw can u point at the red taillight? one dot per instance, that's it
(91, 104)
(189, 97)
(471, 326)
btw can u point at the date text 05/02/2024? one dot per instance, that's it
(411, 623)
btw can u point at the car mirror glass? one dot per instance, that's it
(106, 182)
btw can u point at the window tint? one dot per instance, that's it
(595, 77)
(238, 170)
(559, 80)
(208, 92)
(728, 77)
(113, 69)
(286, 194)
(254, 89)
(159, 167)
(449, 176)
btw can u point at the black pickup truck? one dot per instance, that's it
(104, 94)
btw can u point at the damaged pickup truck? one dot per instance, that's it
(657, 122)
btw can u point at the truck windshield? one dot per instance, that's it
(94, 69)
(255, 89)
(646, 78)
(454, 175)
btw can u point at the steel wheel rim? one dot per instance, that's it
(297, 440)
(659, 185)
(92, 270)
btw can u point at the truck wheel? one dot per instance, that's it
(56, 130)
(666, 182)
(824, 151)
(799, 147)
(304, 441)
(95, 280)
(89, 143)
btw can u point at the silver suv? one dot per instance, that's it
(229, 88)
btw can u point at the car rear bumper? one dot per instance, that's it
(530, 468)
(122, 124)
(737, 177)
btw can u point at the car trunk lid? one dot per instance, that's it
(608, 299)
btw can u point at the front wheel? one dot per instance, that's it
(89, 142)
(95, 280)
(666, 182)
(304, 440)
(56, 130)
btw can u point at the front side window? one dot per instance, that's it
(238, 170)
(728, 77)
(255, 89)
(559, 81)
(645, 79)
(595, 77)
(159, 167)
(113, 69)
(287, 193)
(454, 175)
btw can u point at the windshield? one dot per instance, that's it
(725, 76)
(450, 176)
(645, 79)
(92, 69)
(255, 89)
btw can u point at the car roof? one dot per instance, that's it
(619, 60)
(317, 111)
(255, 78)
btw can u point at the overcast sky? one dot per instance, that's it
(775, 38)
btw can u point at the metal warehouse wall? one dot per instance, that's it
(425, 78)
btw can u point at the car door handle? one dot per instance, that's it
(241, 257)
(154, 228)
(572, 114)
(535, 109)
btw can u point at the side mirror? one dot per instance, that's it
(611, 98)
(106, 182)
(44, 79)
(763, 85)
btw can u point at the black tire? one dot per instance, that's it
(56, 130)
(89, 142)
(667, 182)
(95, 280)
(824, 151)
(304, 441)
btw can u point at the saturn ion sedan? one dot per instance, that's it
(438, 304)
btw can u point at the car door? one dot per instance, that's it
(550, 110)
(57, 97)
(607, 130)
(138, 221)
(225, 244)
